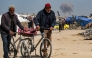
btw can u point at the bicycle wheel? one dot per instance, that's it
(12, 50)
(25, 48)
(46, 48)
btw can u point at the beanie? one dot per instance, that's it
(47, 5)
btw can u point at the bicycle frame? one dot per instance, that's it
(42, 38)
(19, 39)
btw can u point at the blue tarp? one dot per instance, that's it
(80, 20)
(69, 20)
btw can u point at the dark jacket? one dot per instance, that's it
(6, 23)
(42, 17)
(30, 24)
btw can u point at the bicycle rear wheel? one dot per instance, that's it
(46, 48)
(25, 48)
(12, 50)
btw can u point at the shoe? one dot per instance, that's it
(44, 50)
(45, 54)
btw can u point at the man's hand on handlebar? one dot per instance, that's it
(25, 29)
(51, 28)
(37, 28)
(11, 33)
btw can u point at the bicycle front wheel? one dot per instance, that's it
(46, 48)
(25, 48)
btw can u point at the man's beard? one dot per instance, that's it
(11, 13)
(48, 11)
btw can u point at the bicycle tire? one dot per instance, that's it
(23, 46)
(50, 45)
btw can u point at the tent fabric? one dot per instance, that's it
(82, 21)
(21, 19)
(69, 20)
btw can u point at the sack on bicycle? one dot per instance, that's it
(28, 31)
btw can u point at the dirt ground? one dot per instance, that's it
(66, 44)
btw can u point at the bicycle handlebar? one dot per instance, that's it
(15, 33)
(45, 28)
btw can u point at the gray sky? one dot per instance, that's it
(81, 7)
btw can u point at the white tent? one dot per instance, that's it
(21, 19)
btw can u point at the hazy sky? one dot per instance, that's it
(81, 7)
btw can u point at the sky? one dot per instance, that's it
(80, 7)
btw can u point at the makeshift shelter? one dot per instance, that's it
(82, 21)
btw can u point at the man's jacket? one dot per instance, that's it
(42, 17)
(6, 23)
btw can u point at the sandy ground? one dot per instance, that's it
(66, 44)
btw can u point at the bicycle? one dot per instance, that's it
(13, 49)
(28, 47)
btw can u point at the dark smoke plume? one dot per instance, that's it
(67, 8)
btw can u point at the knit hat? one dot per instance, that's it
(47, 5)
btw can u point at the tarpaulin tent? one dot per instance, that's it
(69, 20)
(82, 21)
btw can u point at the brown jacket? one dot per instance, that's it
(6, 23)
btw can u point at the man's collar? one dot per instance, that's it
(10, 14)
(45, 11)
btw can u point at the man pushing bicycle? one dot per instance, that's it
(46, 19)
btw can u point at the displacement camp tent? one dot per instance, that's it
(82, 21)
(69, 20)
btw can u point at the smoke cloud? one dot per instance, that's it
(67, 8)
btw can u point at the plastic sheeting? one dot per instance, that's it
(82, 21)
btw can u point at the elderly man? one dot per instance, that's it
(9, 21)
(46, 19)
